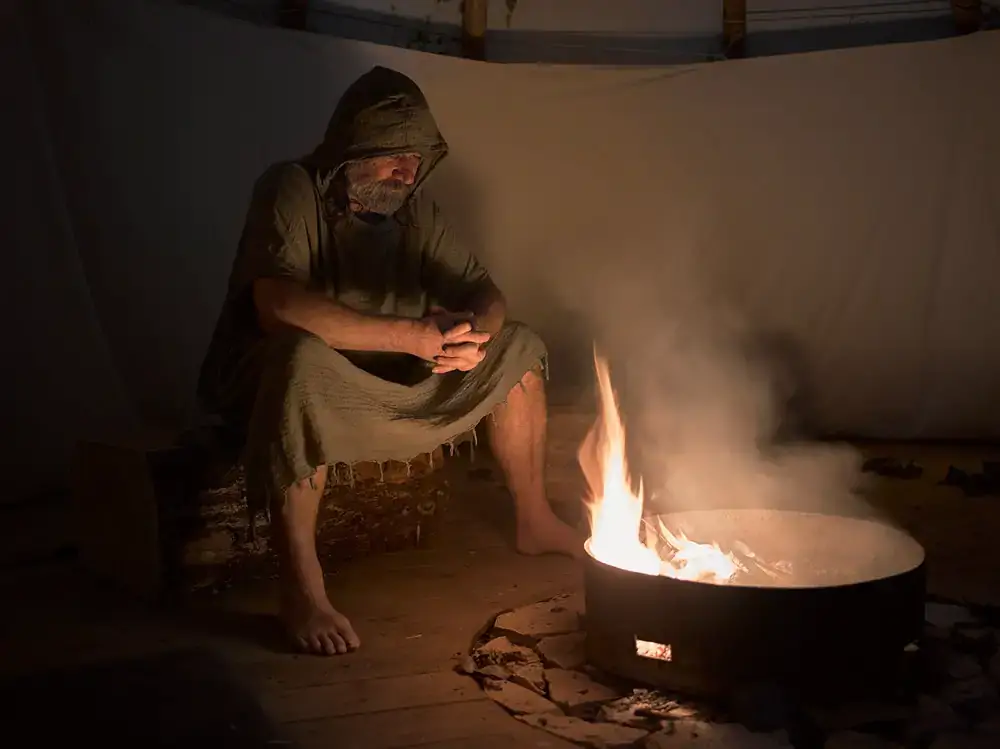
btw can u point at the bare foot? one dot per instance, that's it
(318, 628)
(545, 533)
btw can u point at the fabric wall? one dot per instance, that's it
(58, 379)
(847, 203)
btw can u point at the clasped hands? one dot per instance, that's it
(451, 341)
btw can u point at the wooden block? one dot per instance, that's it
(115, 507)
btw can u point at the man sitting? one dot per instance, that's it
(356, 328)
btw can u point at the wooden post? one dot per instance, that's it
(292, 14)
(474, 19)
(734, 27)
(968, 15)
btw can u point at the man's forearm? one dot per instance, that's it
(281, 302)
(490, 309)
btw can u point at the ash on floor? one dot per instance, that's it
(531, 662)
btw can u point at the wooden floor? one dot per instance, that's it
(416, 612)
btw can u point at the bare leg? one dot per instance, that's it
(517, 436)
(312, 622)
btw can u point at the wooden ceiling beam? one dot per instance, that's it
(734, 28)
(475, 14)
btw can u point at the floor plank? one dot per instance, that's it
(510, 740)
(371, 696)
(420, 726)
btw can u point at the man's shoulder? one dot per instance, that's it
(287, 181)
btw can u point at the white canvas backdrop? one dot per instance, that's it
(847, 201)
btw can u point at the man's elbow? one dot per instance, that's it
(490, 298)
(271, 300)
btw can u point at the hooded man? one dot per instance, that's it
(357, 328)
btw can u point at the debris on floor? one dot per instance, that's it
(953, 701)
(986, 483)
(893, 468)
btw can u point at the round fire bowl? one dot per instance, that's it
(837, 626)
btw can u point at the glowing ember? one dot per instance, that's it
(616, 510)
(656, 651)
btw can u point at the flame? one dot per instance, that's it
(616, 509)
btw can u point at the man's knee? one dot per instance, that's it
(529, 389)
(533, 379)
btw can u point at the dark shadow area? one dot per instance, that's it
(156, 209)
(177, 699)
(263, 631)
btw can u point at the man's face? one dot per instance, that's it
(382, 184)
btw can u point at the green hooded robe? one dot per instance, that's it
(296, 402)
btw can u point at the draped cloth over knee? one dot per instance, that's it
(314, 407)
(301, 403)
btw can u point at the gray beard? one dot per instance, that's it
(384, 197)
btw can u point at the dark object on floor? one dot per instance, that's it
(180, 699)
(893, 468)
(975, 484)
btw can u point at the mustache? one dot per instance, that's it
(381, 196)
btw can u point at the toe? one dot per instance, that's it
(352, 640)
(329, 644)
(338, 642)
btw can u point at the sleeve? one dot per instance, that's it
(452, 273)
(280, 228)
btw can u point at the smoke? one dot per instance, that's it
(706, 405)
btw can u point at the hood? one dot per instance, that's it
(383, 112)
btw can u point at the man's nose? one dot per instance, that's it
(406, 173)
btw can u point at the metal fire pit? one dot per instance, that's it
(837, 625)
